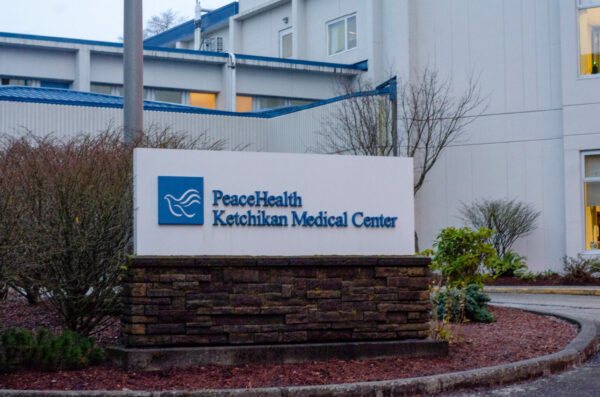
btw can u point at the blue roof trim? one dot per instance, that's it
(362, 65)
(219, 16)
(186, 30)
(57, 96)
(59, 39)
(172, 35)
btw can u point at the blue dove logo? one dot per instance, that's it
(177, 206)
(180, 200)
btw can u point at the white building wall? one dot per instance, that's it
(514, 149)
(581, 98)
(289, 84)
(246, 5)
(260, 33)
(321, 12)
(37, 63)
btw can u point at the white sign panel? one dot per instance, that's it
(191, 202)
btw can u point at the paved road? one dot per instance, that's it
(587, 307)
(580, 382)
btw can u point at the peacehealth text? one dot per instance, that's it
(260, 217)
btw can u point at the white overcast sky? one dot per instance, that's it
(84, 19)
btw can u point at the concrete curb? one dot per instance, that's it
(544, 290)
(578, 351)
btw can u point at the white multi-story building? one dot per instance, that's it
(538, 62)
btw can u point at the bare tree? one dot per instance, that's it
(509, 219)
(361, 125)
(161, 22)
(430, 118)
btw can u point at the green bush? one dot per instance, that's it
(469, 303)
(47, 351)
(463, 256)
(510, 264)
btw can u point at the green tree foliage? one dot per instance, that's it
(463, 256)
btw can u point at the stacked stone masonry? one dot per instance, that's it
(200, 301)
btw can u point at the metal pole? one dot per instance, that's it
(133, 71)
(394, 100)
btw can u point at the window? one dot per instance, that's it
(285, 43)
(589, 36)
(203, 100)
(300, 102)
(243, 103)
(107, 89)
(172, 96)
(9, 81)
(247, 103)
(341, 34)
(266, 102)
(54, 84)
(591, 189)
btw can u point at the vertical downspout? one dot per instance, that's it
(232, 87)
(197, 30)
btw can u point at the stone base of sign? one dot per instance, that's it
(154, 359)
(244, 301)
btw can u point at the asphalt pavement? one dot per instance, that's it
(580, 382)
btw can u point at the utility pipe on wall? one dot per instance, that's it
(231, 98)
(197, 30)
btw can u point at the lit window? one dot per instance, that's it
(589, 37)
(285, 43)
(341, 34)
(243, 103)
(591, 185)
(203, 100)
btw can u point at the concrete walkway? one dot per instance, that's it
(561, 289)
(580, 382)
(583, 306)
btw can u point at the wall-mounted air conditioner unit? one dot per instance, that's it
(214, 44)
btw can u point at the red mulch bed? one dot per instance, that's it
(554, 279)
(515, 336)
